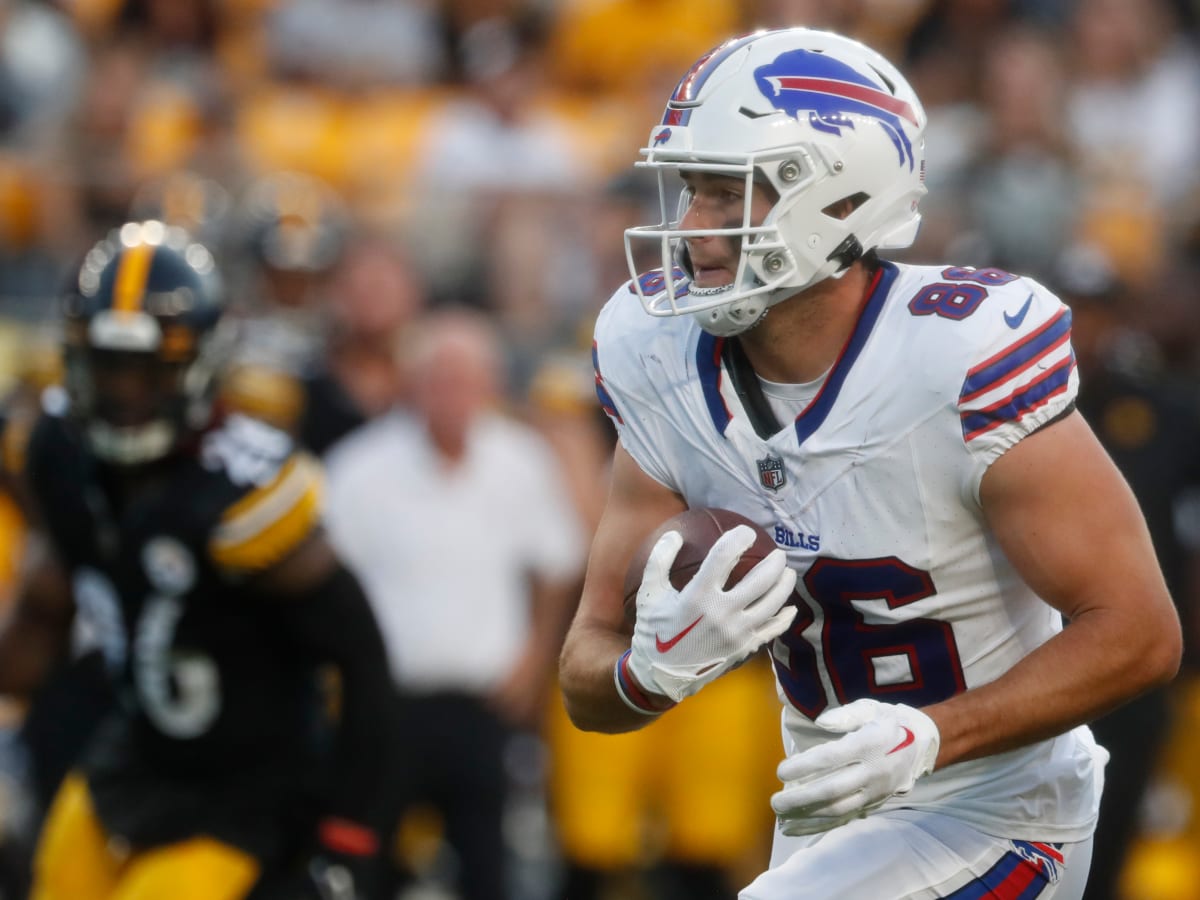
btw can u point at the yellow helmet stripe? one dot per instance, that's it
(133, 270)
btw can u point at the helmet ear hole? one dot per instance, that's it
(842, 209)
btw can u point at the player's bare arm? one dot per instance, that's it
(636, 505)
(1075, 534)
(35, 633)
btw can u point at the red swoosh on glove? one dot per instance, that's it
(663, 646)
(908, 739)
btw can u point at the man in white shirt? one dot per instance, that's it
(459, 525)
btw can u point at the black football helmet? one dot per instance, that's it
(293, 222)
(144, 342)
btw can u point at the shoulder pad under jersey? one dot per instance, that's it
(279, 505)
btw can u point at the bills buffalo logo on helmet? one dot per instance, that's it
(830, 92)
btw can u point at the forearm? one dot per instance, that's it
(599, 633)
(1097, 663)
(586, 676)
(334, 624)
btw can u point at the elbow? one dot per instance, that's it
(582, 699)
(584, 717)
(1162, 655)
(573, 696)
(1170, 656)
(577, 709)
(578, 714)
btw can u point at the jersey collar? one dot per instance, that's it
(710, 350)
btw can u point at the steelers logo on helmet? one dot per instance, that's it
(826, 127)
(144, 342)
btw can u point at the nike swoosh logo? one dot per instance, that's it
(663, 646)
(1015, 321)
(908, 739)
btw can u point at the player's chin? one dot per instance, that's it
(712, 277)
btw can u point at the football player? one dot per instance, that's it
(908, 435)
(185, 545)
(290, 236)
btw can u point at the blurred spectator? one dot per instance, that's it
(620, 45)
(490, 144)
(1134, 80)
(98, 160)
(375, 294)
(42, 66)
(458, 522)
(198, 204)
(1021, 185)
(1151, 428)
(944, 54)
(883, 24)
(946, 48)
(357, 43)
(39, 234)
(290, 233)
(629, 197)
(155, 100)
(183, 37)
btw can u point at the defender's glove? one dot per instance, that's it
(338, 871)
(339, 866)
(332, 879)
(885, 748)
(686, 638)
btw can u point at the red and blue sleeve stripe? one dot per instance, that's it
(1011, 366)
(606, 400)
(1021, 874)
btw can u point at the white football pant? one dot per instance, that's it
(908, 854)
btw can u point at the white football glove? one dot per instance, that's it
(685, 639)
(884, 749)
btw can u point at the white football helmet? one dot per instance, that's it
(818, 117)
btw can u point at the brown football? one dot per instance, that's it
(700, 527)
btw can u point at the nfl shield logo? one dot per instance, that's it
(770, 472)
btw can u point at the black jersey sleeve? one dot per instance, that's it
(56, 479)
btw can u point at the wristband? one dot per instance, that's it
(631, 695)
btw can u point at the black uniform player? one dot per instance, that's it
(186, 546)
(290, 235)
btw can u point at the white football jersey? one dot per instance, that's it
(873, 491)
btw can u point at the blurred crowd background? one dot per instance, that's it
(358, 164)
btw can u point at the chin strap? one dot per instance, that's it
(847, 252)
